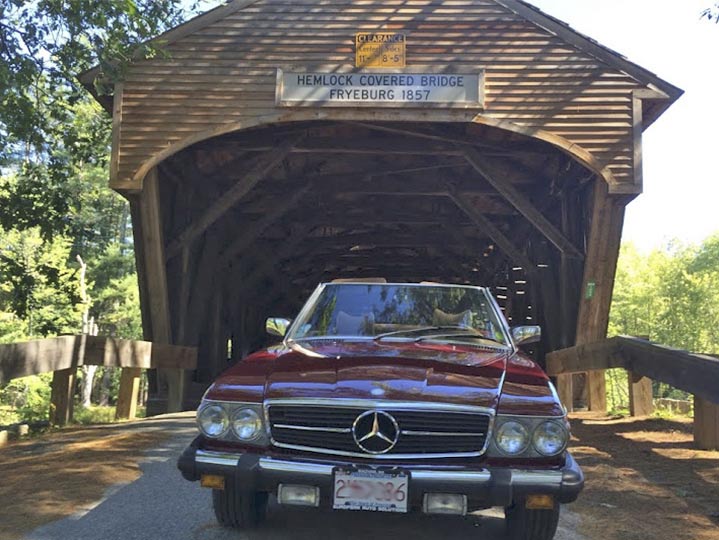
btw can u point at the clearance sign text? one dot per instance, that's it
(462, 90)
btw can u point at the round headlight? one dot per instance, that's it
(246, 424)
(512, 438)
(550, 438)
(213, 421)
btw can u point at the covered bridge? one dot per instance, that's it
(276, 144)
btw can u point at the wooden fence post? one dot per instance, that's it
(706, 424)
(640, 395)
(61, 403)
(128, 393)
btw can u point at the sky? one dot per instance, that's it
(681, 149)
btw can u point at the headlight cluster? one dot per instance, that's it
(232, 421)
(514, 436)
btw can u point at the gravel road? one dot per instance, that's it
(161, 505)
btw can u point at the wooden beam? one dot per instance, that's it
(127, 395)
(523, 205)
(602, 355)
(598, 282)
(266, 259)
(262, 167)
(69, 352)
(61, 397)
(488, 228)
(431, 137)
(254, 230)
(693, 373)
(641, 402)
(706, 424)
(154, 272)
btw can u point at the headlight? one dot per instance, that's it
(512, 438)
(246, 424)
(550, 438)
(213, 421)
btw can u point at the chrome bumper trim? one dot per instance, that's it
(452, 476)
(217, 458)
(521, 477)
(536, 478)
(295, 467)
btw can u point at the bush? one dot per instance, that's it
(94, 414)
(28, 398)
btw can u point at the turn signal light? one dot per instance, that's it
(539, 502)
(214, 481)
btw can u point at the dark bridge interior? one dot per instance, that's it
(253, 220)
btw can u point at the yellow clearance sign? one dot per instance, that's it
(380, 50)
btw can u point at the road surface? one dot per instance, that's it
(162, 505)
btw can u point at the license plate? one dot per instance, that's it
(368, 489)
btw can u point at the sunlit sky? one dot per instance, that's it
(681, 150)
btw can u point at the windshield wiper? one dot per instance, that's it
(464, 335)
(411, 331)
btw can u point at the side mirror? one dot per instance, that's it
(275, 326)
(524, 335)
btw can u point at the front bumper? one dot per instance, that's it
(484, 487)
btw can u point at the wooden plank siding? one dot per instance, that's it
(225, 73)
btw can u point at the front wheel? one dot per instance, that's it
(524, 524)
(238, 509)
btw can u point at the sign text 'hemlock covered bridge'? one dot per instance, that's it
(279, 143)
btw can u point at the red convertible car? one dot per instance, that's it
(392, 398)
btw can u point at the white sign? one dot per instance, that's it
(460, 90)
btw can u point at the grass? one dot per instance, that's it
(99, 414)
(8, 415)
(94, 414)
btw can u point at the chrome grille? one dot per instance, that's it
(425, 430)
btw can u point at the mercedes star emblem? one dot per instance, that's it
(375, 432)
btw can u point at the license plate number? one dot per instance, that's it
(372, 490)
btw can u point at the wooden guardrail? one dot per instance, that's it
(63, 355)
(645, 361)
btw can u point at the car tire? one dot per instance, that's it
(239, 509)
(524, 524)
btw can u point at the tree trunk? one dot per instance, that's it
(105, 387)
(88, 376)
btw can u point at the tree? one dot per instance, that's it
(46, 44)
(712, 13)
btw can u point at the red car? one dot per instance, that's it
(392, 398)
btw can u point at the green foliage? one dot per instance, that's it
(669, 296)
(118, 308)
(712, 13)
(28, 398)
(95, 414)
(48, 43)
(617, 391)
(37, 284)
(55, 206)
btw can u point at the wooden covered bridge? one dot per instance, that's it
(274, 144)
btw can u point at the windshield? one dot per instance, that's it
(379, 311)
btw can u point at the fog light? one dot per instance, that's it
(539, 502)
(298, 495)
(213, 481)
(444, 503)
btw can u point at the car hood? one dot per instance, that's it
(422, 371)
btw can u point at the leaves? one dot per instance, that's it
(670, 296)
(711, 13)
